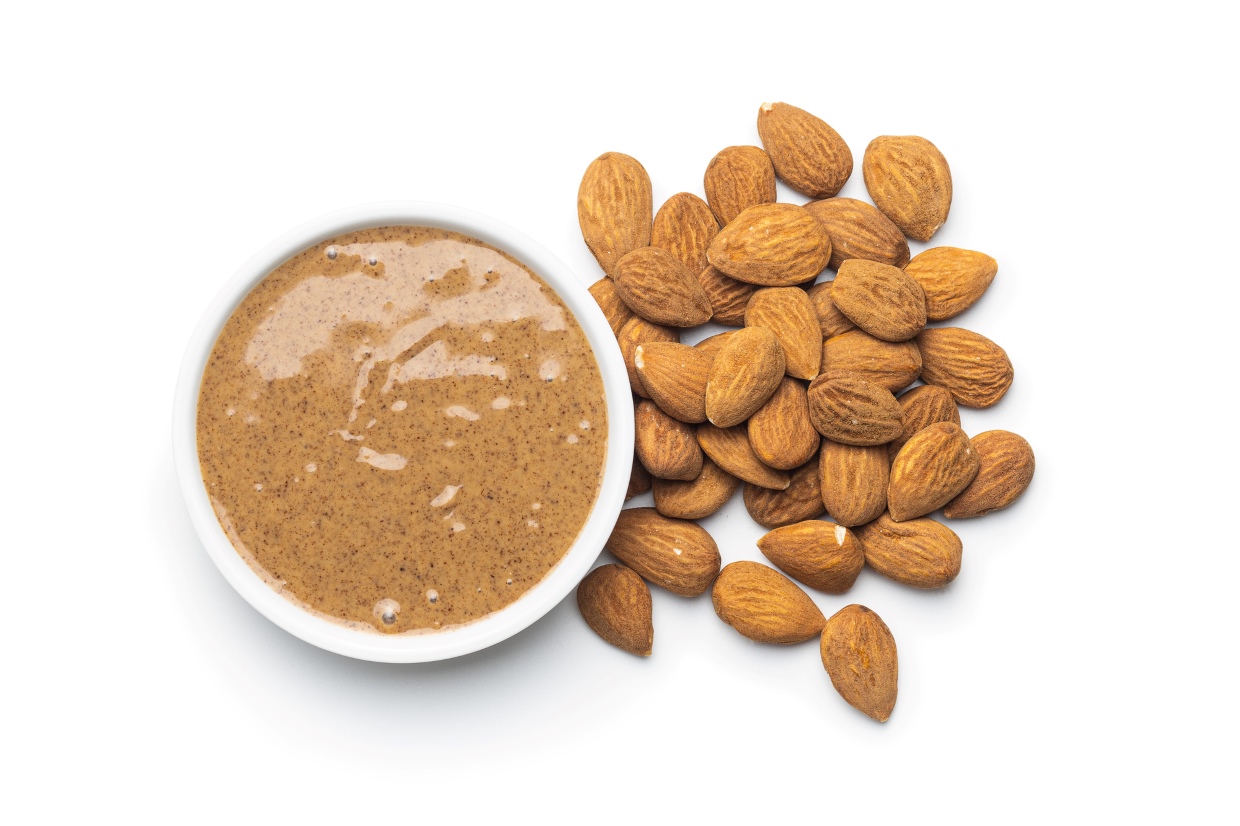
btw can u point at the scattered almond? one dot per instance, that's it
(684, 226)
(764, 605)
(696, 499)
(971, 367)
(937, 463)
(823, 555)
(614, 208)
(920, 553)
(672, 553)
(857, 354)
(853, 481)
(908, 180)
(667, 447)
(745, 373)
(831, 322)
(781, 432)
(615, 603)
(880, 299)
(713, 344)
(789, 313)
(859, 654)
(635, 331)
(808, 155)
(674, 375)
(614, 309)
(737, 178)
(730, 449)
(853, 411)
(858, 230)
(774, 245)
(801, 500)
(920, 407)
(657, 287)
(952, 279)
(1006, 469)
(639, 480)
(728, 297)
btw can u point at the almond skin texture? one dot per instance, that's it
(684, 226)
(909, 181)
(667, 447)
(614, 208)
(975, 370)
(639, 480)
(789, 313)
(859, 654)
(1006, 471)
(858, 230)
(853, 481)
(635, 331)
(920, 553)
(764, 605)
(730, 449)
(728, 297)
(674, 376)
(853, 411)
(746, 372)
(698, 498)
(880, 299)
(822, 555)
(808, 155)
(737, 178)
(801, 500)
(857, 354)
(614, 309)
(773, 245)
(920, 407)
(657, 287)
(671, 553)
(780, 431)
(615, 603)
(713, 344)
(952, 279)
(831, 322)
(937, 463)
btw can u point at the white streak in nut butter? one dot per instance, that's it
(501, 403)
(399, 405)
(445, 496)
(549, 370)
(383, 461)
(461, 412)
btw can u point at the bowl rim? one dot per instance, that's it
(457, 640)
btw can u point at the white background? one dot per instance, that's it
(1082, 667)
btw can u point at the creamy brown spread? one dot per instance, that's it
(402, 429)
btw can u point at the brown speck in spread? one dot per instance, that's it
(375, 433)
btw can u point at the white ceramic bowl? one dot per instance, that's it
(492, 628)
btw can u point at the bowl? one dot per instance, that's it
(455, 640)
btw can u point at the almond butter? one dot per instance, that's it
(789, 313)
(764, 605)
(858, 230)
(667, 447)
(696, 499)
(684, 226)
(859, 654)
(614, 309)
(774, 245)
(853, 481)
(909, 181)
(746, 372)
(801, 500)
(975, 370)
(728, 297)
(920, 553)
(880, 299)
(635, 331)
(808, 155)
(781, 432)
(937, 463)
(674, 376)
(831, 322)
(920, 407)
(737, 178)
(1006, 469)
(671, 553)
(853, 411)
(857, 354)
(823, 555)
(657, 287)
(952, 279)
(614, 208)
(615, 603)
(730, 449)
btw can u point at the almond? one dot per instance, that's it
(698, 498)
(671, 553)
(857, 354)
(737, 178)
(615, 603)
(674, 376)
(639, 480)
(920, 407)
(859, 654)
(730, 449)
(801, 500)
(971, 367)
(920, 553)
(746, 372)
(713, 344)
(614, 208)
(853, 481)
(764, 605)
(831, 322)
(1006, 469)
(614, 309)
(780, 431)
(668, 448)
(774, 245)
(789, 313)
(728, 297)
(823, 555)
(657, 287)
(684, 226)
(933, 466)
(908, 180)
(853, 411)
(880, 299)
(952, 279)
(808, 155)
(635, 331)
(858, 230)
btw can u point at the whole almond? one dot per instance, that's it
(639, 480)
(614, 208)
(614, 309)
(831, 322)
(615, 603)
(737, 178)
(635, 331)
(684, 226)
(728, 297)
(853, 411)
(853, 481)
(823, 555)
(801, 500)
(696, 499)
(774, 245)
(789, 313)
(920, 553)
(937, 463)
(909, 181)
(952, 279)
(657, 287)
(808, 155)
(975, 370)
(764, 605)
(859, 654)
(1006, 471)
(672, 553)
(713, 344)
(780, 431)
(674, 375)
(880, 299)
(730, 449)
(857, 354)
(920, 407)
(858, 230)
(746, 372)
(667, 447)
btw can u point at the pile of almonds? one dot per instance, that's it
(800, 404)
